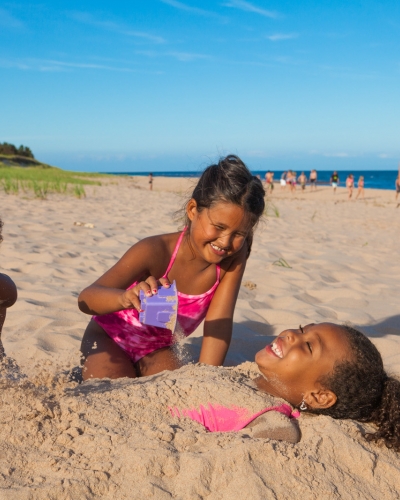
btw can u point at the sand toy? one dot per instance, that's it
(161, 309)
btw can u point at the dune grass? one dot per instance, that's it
(43, 180)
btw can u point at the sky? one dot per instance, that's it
(168, 85)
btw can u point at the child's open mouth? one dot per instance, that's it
(217, 250)
(274, 347)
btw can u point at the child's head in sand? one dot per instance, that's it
(333, 370)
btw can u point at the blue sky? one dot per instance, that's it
(171, 85)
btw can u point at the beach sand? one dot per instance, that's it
(316, 257)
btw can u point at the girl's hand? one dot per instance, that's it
(130, 298)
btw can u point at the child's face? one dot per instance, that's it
(293, 364)
(217, 232)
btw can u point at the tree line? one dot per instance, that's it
(10, 149)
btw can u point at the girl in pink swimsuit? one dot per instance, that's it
(207, 260)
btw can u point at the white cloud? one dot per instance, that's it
(249, 7)
(192, 10)
(87, 18)
(187, 56)
(180, 56)
(282, 36)
(49, 65)
(337, 155)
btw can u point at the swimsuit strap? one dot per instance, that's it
(175, 252)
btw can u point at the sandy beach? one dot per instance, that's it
(316, 257)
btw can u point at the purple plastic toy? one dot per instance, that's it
(161, 309)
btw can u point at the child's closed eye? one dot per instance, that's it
(308, 343)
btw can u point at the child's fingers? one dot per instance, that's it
(152, 284)
(146, 288)
(164, 282)
(130, 299)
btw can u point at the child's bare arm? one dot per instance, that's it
(273, 426)
(8, 291)
(141, 263)
(219, 320)
(8, 296)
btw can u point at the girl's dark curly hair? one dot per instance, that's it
(1, 227)
(364, 390)
(231, 181)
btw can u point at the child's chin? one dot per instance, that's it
(258, 356)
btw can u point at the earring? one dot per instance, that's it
(303, 406)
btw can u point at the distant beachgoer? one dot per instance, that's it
(360, 187)
(350, 184)
(269, 181)
(397, 184)
(207, 259)
(283, 180)
(313, 179)
(292, 181)
(335, 180)
(151, 181)
(8, 296)
(302, 180)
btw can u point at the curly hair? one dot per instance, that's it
(1, 227)
(364, 390)
(231, 181)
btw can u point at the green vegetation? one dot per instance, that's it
(42, 180)
(281, 263)
(10, 149)
(271, 209)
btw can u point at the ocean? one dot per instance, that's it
(377, 179)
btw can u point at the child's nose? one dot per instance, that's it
(225, 241)
(291, 336)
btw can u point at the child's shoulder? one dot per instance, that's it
(160, 242)
(8, 291)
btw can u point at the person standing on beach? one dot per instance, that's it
(397, 185)
(292, 181)
(151, 181)
(335, 180)
(313, 179)
(283, 180)
(269, 182)
(350, 185)
(360, 187)
(8, 296)
(206, 260)
(303, 181)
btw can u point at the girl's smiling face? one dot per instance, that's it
(219, 231)
(295, 362)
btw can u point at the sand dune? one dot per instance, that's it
(316, 257)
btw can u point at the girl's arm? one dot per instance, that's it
(8, 291)
(219, 320)
(8, 296)
(141, 262)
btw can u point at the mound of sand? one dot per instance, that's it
(117, 439)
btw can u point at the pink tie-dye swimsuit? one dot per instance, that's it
(138, 340)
